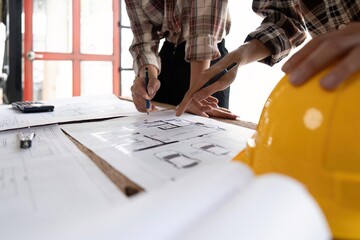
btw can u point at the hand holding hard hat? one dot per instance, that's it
(342, 46)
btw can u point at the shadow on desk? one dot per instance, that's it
(124, 184)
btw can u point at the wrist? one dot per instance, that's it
(197, 67)
(152, 71)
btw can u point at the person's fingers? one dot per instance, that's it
(139, 89)
(153, 87)
(184, 104)
(154, 108)
(197, 111)
(342, 70)
(317, 61)
(203, 106)
(322, 52)
(209, 102)
(209, 107)
(220, 113)
(207, 91)
(139, 95)
(188, 96)
(225, 110)
(292, 63)
(299, 56)
(199, 108)
(140, 105)
(212, 99)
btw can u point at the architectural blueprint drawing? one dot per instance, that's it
(50, 181)
(69, 109)
(159, 148)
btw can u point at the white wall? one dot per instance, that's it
(255, 81)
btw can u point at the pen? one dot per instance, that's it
(220, 74)
(146, 85)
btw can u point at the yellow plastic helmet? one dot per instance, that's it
(313, 135)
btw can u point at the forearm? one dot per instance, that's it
(251, 51)
(144, 47)
(196, 68)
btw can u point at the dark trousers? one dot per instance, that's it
(175, 75)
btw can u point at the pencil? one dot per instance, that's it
(146, 85)
(220, 74)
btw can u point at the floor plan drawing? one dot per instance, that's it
(212, 148)
(39, 179)
(151, 134)
(177, 159)
(157, 148)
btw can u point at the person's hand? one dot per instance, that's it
(194, 94)
(249, 52)
(209, 108)
(138, 89)
(341, 48)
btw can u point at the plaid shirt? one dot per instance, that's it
(202, 24)
(286, 21)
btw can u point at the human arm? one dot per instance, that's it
(341, 48)
(144, 50)
(249, 52)
(209, 23)
(145, 44)
(281, 30)
(208, 106)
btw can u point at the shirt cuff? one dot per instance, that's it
(202, 48)
(275, 39)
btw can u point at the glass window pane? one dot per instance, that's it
(52, 26)
(127, 78)
(126, 39)
(96, 27)
(96, 77)
(52, 79)
(124, 17)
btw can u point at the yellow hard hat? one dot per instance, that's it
(313, 135)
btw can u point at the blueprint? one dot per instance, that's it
(50, 181)
(67, 110)
(158, 148)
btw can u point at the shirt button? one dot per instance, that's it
(341, 26)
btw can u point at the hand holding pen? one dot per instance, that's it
(144, 90)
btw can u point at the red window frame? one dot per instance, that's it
(76, 56)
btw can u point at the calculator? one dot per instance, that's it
(32, 106)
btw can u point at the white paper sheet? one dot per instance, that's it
(216, 202)
(50, 184)
(158, 148)
(272, 206)
(67, 110)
